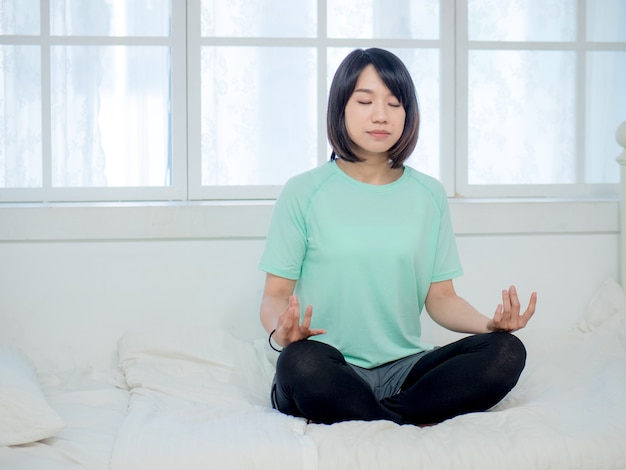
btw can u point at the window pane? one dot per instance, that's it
(110, 116)
(110, 18)
(522, 20)
(402, 19)
(259, 18)
(606, 109)
(258, 114)
(19, 17)
(20, 117)
(606, 20)
(521, 117)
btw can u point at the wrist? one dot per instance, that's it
(271, 341)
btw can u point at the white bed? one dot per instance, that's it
(196, 396)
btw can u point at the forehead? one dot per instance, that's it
(370, 81)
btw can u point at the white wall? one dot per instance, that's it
(73, 278)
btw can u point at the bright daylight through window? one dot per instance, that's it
(108, 100)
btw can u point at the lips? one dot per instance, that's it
(378, 133)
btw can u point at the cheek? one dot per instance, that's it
(350, 121)
(402, 117)
(401, 122)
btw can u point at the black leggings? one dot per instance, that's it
(473, 374)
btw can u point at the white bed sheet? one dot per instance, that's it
(568, 411)
(200, 399)
(93, 406)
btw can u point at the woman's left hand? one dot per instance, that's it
(507, 315)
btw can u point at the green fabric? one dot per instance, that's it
(363, 256)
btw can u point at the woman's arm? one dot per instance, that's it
(456, 314)
(280, 312)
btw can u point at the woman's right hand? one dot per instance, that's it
(289, 329)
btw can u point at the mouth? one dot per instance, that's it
(378, 134)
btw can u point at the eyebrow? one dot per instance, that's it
(371, 92)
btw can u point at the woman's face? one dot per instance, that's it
(374, 117)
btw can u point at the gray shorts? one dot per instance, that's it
(387, 379)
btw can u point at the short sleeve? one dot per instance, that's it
(447, 262)
(286, 244)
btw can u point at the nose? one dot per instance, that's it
(379, 113)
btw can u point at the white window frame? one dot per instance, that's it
(185, 43)
(321, 43)
(580, 189)
(176, 41)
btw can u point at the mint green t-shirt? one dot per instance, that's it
(364, 257)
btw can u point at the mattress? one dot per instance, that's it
(566, 412)
(93, 405)
(195, 397)
(200, 399)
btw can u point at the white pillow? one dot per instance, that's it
(25, 415)
(195, 363)
(608, 306)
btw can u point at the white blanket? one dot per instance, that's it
(199, 399)
(93, 406)
(568, 411)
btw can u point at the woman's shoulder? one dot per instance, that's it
(427, 182)
(308, 181)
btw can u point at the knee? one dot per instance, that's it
(512, 347)
(306, 357)
(511, 353)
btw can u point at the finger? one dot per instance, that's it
(308, 314)
(294, 305)
(497, 317)
(530, 310)
(515, 305)
(506, 306)
(286, 320)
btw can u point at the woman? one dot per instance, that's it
(367, 243)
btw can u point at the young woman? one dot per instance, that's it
(366, 243)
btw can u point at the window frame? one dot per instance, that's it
(185, 44)
(176, 41)
(581, 47)
(321, 43)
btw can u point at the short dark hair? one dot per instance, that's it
(397, 78)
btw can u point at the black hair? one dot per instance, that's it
(397, 78)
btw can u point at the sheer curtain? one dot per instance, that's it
(545, 92)
(77, 156)
(106, 103)
(110, 102)
(605, 90)
(20, 98)
(86, 100)
(20, 117)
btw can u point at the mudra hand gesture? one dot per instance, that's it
(507, 315)
(289, 329)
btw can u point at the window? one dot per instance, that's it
(541, 96)
(107, 100)
(92, 100)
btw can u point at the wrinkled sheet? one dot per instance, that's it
(568, 411)
(196, 398)
(93, 405)
(200, 399)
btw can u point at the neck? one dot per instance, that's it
(376, 172)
